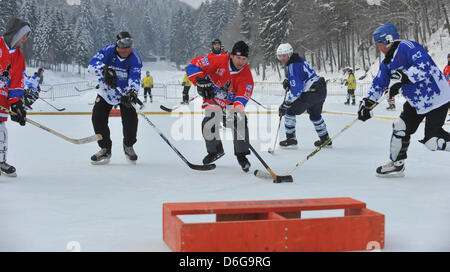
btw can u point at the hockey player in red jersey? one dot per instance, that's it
(216, 49)
(12, 83)
(211, 75)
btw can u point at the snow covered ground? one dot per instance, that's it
(59, 197)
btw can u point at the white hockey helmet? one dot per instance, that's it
(285, 49)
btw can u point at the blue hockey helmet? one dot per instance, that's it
(386, 34)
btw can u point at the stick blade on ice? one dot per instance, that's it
(165, 108)
(279, 179)
(206, 167)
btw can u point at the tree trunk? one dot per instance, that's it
(338, 52)
(353, 50)
(264, 72)
(427, 20)
(444, 10)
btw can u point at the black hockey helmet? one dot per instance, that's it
(216, 41)
(124, 40)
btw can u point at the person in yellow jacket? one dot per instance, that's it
(187, 86)
(351, 87)
(147, 84)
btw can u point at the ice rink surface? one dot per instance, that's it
(59, 197)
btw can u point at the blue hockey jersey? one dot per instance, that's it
(301, 76)
(428, 89)
(128, 72)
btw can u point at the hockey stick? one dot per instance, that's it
(178, 106)
(276, 178)
(259, 104)
(63, 109)
(86, 140)
(192, 166)
(263, 175)
(272, 151)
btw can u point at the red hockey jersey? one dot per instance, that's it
(447, 73)
(11, 90)
(218, 69)
(212, 54)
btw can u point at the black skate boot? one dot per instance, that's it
(8, 170)
(320, 142)
(130, 154)
(244, 163)
(392, 169)
(391, 107)
(102, 157)
(353, 102)
(347, 102)
(290, 143)
(212, 157)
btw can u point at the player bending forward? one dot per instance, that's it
(210, 75)
(426, 91)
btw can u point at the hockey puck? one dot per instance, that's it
(262, 175)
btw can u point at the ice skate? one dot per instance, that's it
(102, 157)
(392, 169)
(8, 170)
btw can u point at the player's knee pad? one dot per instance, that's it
(399, 127)
(437, 143)
(399, 140)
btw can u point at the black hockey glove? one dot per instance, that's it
(284, 108)
(400, 76)
(286, 85)
(130, 98)
(205, 88)
(19, 113)
(394, 90)
(365, 109)
(4, 77)
(110, 77)
(28, 93)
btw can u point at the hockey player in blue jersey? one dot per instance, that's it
(32, 88)
(118, 69)
(306, 91)
(411, 69)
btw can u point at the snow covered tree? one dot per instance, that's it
(84, 43)
(107, 28)
(42, 36)
(276, 26)
(246, 19)
(8, 10)
(177, 38)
